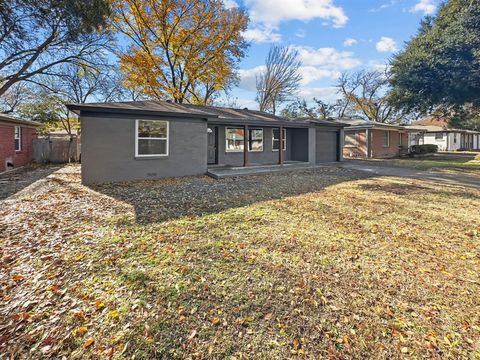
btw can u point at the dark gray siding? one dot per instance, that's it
(327, 145)
(108, 149)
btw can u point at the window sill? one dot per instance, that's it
(153, 157)
(277, 150)
(233, 151)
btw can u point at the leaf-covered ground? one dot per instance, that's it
(322, 264)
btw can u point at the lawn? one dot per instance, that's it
(451, 163)
(325, 264)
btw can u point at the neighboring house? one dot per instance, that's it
(368, 139)
(16, 142)
(154, 139)
(438, 132)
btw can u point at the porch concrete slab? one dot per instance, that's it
(225, 172)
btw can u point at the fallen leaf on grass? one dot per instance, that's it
(89, 342)
(114, 314)
(80, 331)
(99, 305)
(18, 277)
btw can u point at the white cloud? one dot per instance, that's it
(328, 94)
(317, 64)
(385, 6)
(327, 58)
(248, 77)
(275, 11)
(312, 73)
(300, 33)
(350, 42)
(230, 4)
(262, 34)
(428, 7)
(386, 44)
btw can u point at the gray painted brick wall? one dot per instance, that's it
(108, 149)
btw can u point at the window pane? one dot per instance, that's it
(256, 145)
(351, 139)
(152, 147)
(155, 129)
(235, 139)
(17, 144)
(386, 139)
(255, 140)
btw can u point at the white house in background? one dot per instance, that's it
(437, 132)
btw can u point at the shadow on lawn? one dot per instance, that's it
(15, 181)
(157, 201)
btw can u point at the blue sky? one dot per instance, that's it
(331, 36)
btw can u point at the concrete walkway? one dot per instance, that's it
(437, 176)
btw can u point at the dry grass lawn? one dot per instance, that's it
(330, 265)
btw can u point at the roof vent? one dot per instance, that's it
(245, 108)
(169, 101)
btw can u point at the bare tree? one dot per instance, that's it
(280, 80)
(365, 94)
(74, 84)
(37, 36)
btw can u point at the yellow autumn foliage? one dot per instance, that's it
(185, 50)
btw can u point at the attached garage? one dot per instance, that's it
(327, 145)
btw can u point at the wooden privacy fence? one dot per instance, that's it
(56, 150)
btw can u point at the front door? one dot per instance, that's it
(212, 144)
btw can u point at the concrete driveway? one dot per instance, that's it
(384, 170)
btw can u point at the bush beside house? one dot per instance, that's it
(423, 149)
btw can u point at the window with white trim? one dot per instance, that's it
(255, 139)
(438, 136)
(18, 138)
(151, 138)
(235, 139)
(454, 138)
(276, 139)
(386, 138)
(400, 139)
(351, 139)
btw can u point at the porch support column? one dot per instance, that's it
(280, 146)
(245, 145)
(367, 139)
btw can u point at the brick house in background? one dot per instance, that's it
(16, 142)
(368, 139)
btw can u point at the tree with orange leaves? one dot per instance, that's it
(186, 50)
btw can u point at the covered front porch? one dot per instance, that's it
(253, 146)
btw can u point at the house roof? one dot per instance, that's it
(14, 120)
(358, 123)
(435, 124)
(211, 113)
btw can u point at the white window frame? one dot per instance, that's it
(442, 136)
(151, 138)
(355, 135)
(226, 140)
(19, 138)
(284, 140)
(250, 139)
(388, 139)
